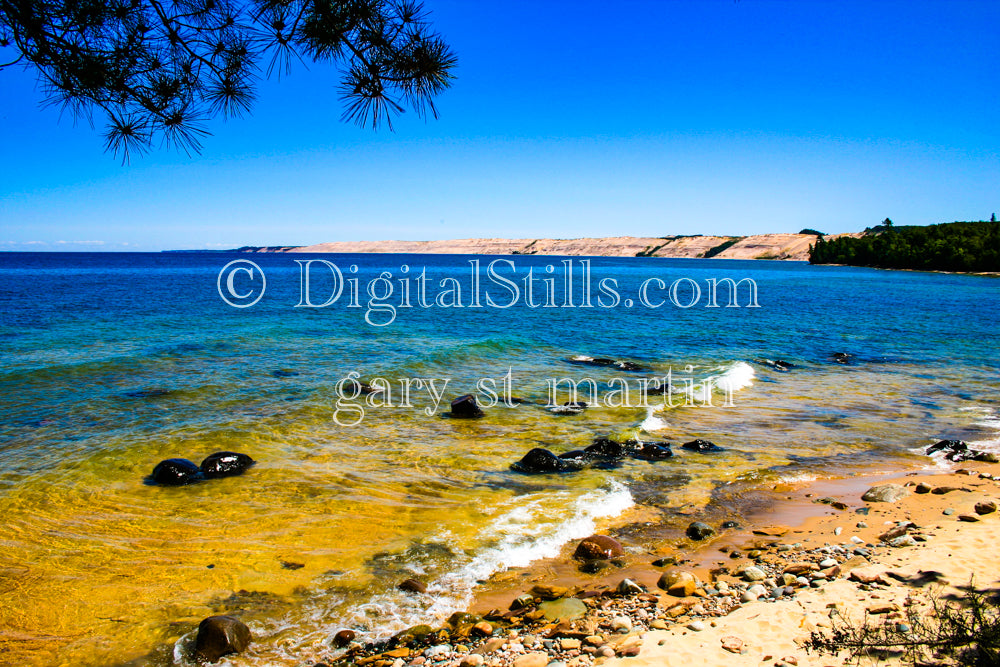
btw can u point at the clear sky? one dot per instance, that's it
(567, 119)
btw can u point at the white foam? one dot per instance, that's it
(738, 376)
(652, 423)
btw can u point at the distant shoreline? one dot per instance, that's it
(794, 247)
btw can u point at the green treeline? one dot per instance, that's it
(952, 246)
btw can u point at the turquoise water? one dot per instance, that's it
(113, 362)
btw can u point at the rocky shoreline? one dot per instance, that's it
(847, 555)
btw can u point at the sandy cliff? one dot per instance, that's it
(759, 246)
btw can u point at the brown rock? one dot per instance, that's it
(343, 638)
(547, 592)
(883, 608)
(987, 507)
(941, 490)
(489, 646)
(678, 583)
(923, 487)
(732, 644)
(867, 577)
(968, 517)
(412, 586)
(569, 644)
(598, 546)
(532, 660)
(894, 532)
(219, 636)
(398, 653)
(483, 629)
(800, 568)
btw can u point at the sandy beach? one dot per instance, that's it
(858, 559)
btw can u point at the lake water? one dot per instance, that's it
(110, 363)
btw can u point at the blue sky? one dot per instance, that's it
(567, 119)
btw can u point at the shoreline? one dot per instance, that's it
(660, 624)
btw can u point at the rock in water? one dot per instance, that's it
(176, 472)
(563, 609)
(598, 546)
(701, 446)
(412, 586)
(678, 583)
(885, 493)
(653, 451)
(225, 464)
(540, 460)
(465, 407)
(605, 448)
(699, 530)
(219, 636)
(343, 638)
(948, 445)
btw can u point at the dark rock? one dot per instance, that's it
(948, 445)
(147, 393)
(922, 487)
(284, 373)
(986, 457)
(594, 566)
(630, 366)
(629, 587)
(465, 407)
(842, 357)
(289, 565)
(176, 472)
(576, 405)
(653, 451)
(525, 601)
(701, 446)
(412, 586)
(414, 635)
(225, 464)
(219, 636)
(598, 546)
(730, 524)
(665, 561)
(540, 460)
(606, 448)
(343, 638)
(699, 530)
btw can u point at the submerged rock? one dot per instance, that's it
(842, 357)
(343, 638)
(412, 586)
(465, 407)
(225, 464)
(653, 451)
(219, 636)
(701, 446)
(564, 609)
(176, 472)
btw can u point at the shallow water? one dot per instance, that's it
(111, 363)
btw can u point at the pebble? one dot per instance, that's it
(606, 652)
(748, 597)
(838, 530)
(471, 661)
(862, 524)
(903, 541)
(857, 540)
(829, 562)
(753, 573)
(697, 626)
(948, 512)
(622, 624)
(532, 660)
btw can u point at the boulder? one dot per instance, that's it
(948, 446)
(225, 464)
(343, 638)
(699, 530)
(598, 546)
(986, 507)
(219, 636)
(605, 448)
(885, 493)
(701, 446)
(176, 472)
(465, 407)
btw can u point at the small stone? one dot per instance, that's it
(564, 609)
(629, 587)
(748, 597)
(489, 646)
(922, 487)
(547, 592)
(988, 507)
(482, 629)
(948, 511)
(829, 562)
(883, 608)
(968, 517)
(343, 638)
(752, 573)
(594, 640)
(678, 583)
(605, 652)
(570, 644)
(219, 636)
(697, 626)
(437, 652)
(622, 624)
(862, 524)
(598, 547)
(659, 624)
(885, 493)
(790, 660)
(757, 590)
(902, 627)
(473, 660)
(532, 660)
(699, 530)
(732, 644)
(412, 586)
(800, 568)
(857, 540)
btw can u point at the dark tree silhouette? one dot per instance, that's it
(161, 68)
